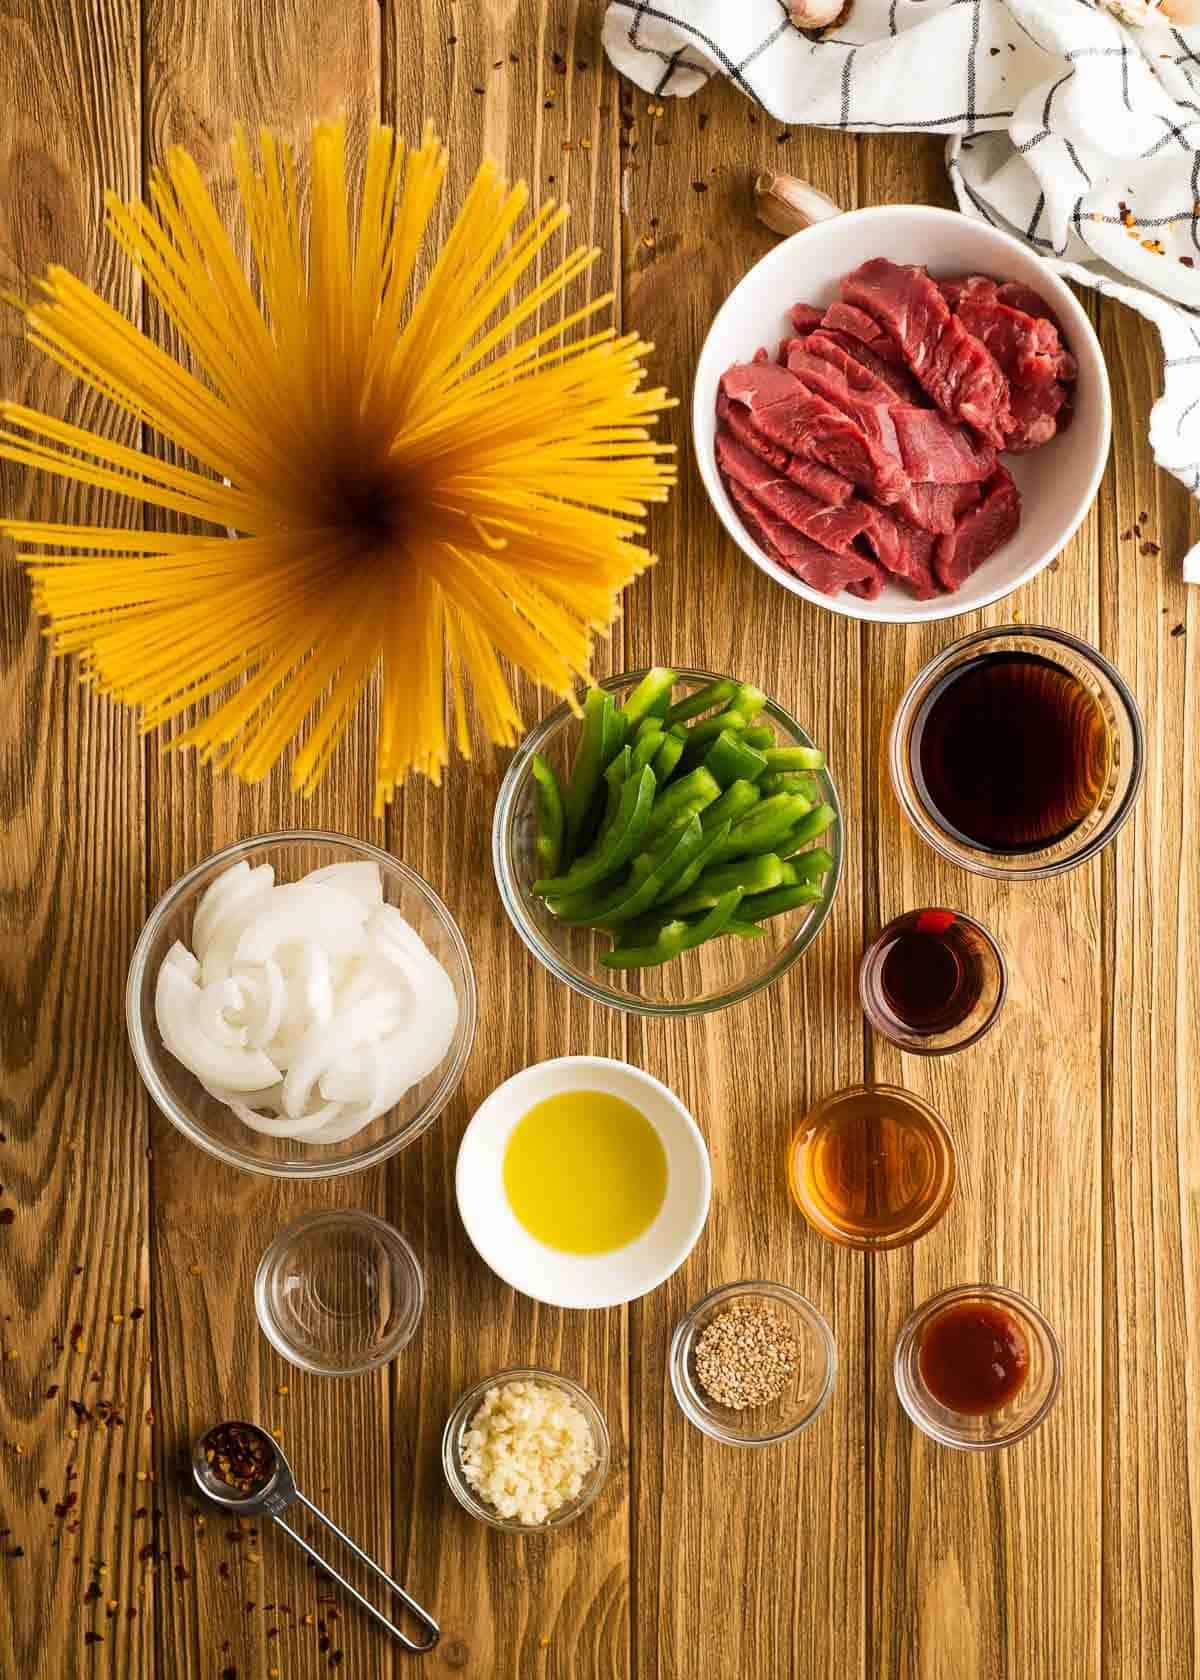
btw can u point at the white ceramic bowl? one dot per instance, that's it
(582, 1280)
(1058, 482)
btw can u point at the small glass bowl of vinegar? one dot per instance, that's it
(872, 1167)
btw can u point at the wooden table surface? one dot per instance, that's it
(126, 1256)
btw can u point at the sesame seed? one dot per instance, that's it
(746, 1356)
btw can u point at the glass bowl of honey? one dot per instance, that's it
(933, 981)
(872, 1167)
(977, 1367)
(1017, 753)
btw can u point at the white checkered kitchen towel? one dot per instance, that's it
(1065, 123)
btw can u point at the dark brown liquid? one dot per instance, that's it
(872, 1165)
(930, 976)
(1010, 752)
(973, 1357)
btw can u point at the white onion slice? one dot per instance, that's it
(212, 1004)
(300, 914)
(181, 958)
(266, 999)
(360, 880)
(216, 1064)
(366, 1022)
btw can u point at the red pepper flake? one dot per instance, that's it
(65, 1505)
(240, 1456)
(91, 1638)
(16, 1551)
(223, 1570)
(935, 921)
(1188, 262)
(229, 1673)
(1148, 548)
(181, 1573)
(92, 1593)
(1179, 630)
(700, 186)
(782, 138)
(336, 1659)
(6, 1216)
(44, 1495)
(137, 1312)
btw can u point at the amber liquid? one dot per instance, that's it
(871, 1167)
(1010, 752)
(973, 1357)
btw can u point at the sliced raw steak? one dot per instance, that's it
(821, 482)
(822, 570)
(956, 370)
(1017, 296)
(904, 551)
(861, 398)
(1027, 347)
(832, 527)
(935, 507)
(804, 317)
(1039, 412)
(897, 379)
(979, 532)
(856, 323)
(807, 425)
(934, 451)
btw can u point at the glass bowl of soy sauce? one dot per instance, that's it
(1018, 753)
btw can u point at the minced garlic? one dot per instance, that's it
(527, 1451)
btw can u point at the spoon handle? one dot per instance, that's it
(422, 1616)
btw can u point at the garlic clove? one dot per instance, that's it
(786, 204)
(816, 14)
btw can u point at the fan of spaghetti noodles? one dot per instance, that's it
(426, 479)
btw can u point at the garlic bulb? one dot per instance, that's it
(817, 14)
(787, 204)
(1140, 12)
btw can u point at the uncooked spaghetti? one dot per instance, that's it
(426, 479)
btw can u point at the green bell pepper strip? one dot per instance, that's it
(809, 866)
(795, 758)
(614, 849)
(550, 816)
(749, 701)
(738, 798)
(762, 735)
(714, 839)
(790, 781)
(690, 794)
(615, 732)
(707, 730)
(641, 892)
(675, 938)
(650, 698)
(730, 760)
(764, 829)
(816, 822)
(667, 757)
(776, 903)
(753, 874)
(718, 693)
(615, 776)
(745, 930)
(588, 767)
(645, 748)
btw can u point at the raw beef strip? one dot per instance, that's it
(818, 567)
(1036, 415)
(1027, 347)
(805, 317)
(805, 356)
(832, 527)
(856, 323)
(957, 371)
(979, 533)
(809, 426)
(862, 399)
(1017, 296)
(935, 507)
(935, 451)
(867, 588)
(896, 378)
(821, 482)
(904, 551)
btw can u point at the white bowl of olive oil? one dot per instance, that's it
(583, 1182)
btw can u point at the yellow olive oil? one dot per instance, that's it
(585, 1172)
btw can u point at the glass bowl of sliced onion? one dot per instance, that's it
(301, 1005)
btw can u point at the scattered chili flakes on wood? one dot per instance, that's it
(1148, 548)
(1179, 630)
(92, 1592)
(700, 186)
(91, 1638)
(7, 1216)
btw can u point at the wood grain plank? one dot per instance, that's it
(283, 62)
(747, 1563)
(1151, 1175)
(73, 1261)
(977, 1567)
(527, 84)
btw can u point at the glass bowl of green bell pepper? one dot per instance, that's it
(672, 850)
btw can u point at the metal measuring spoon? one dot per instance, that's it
(270, 1490)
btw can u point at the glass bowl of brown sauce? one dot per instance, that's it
(933, 981)
(977, 1367)
(1018, 753)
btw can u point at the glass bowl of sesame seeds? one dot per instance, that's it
(753, 1363)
